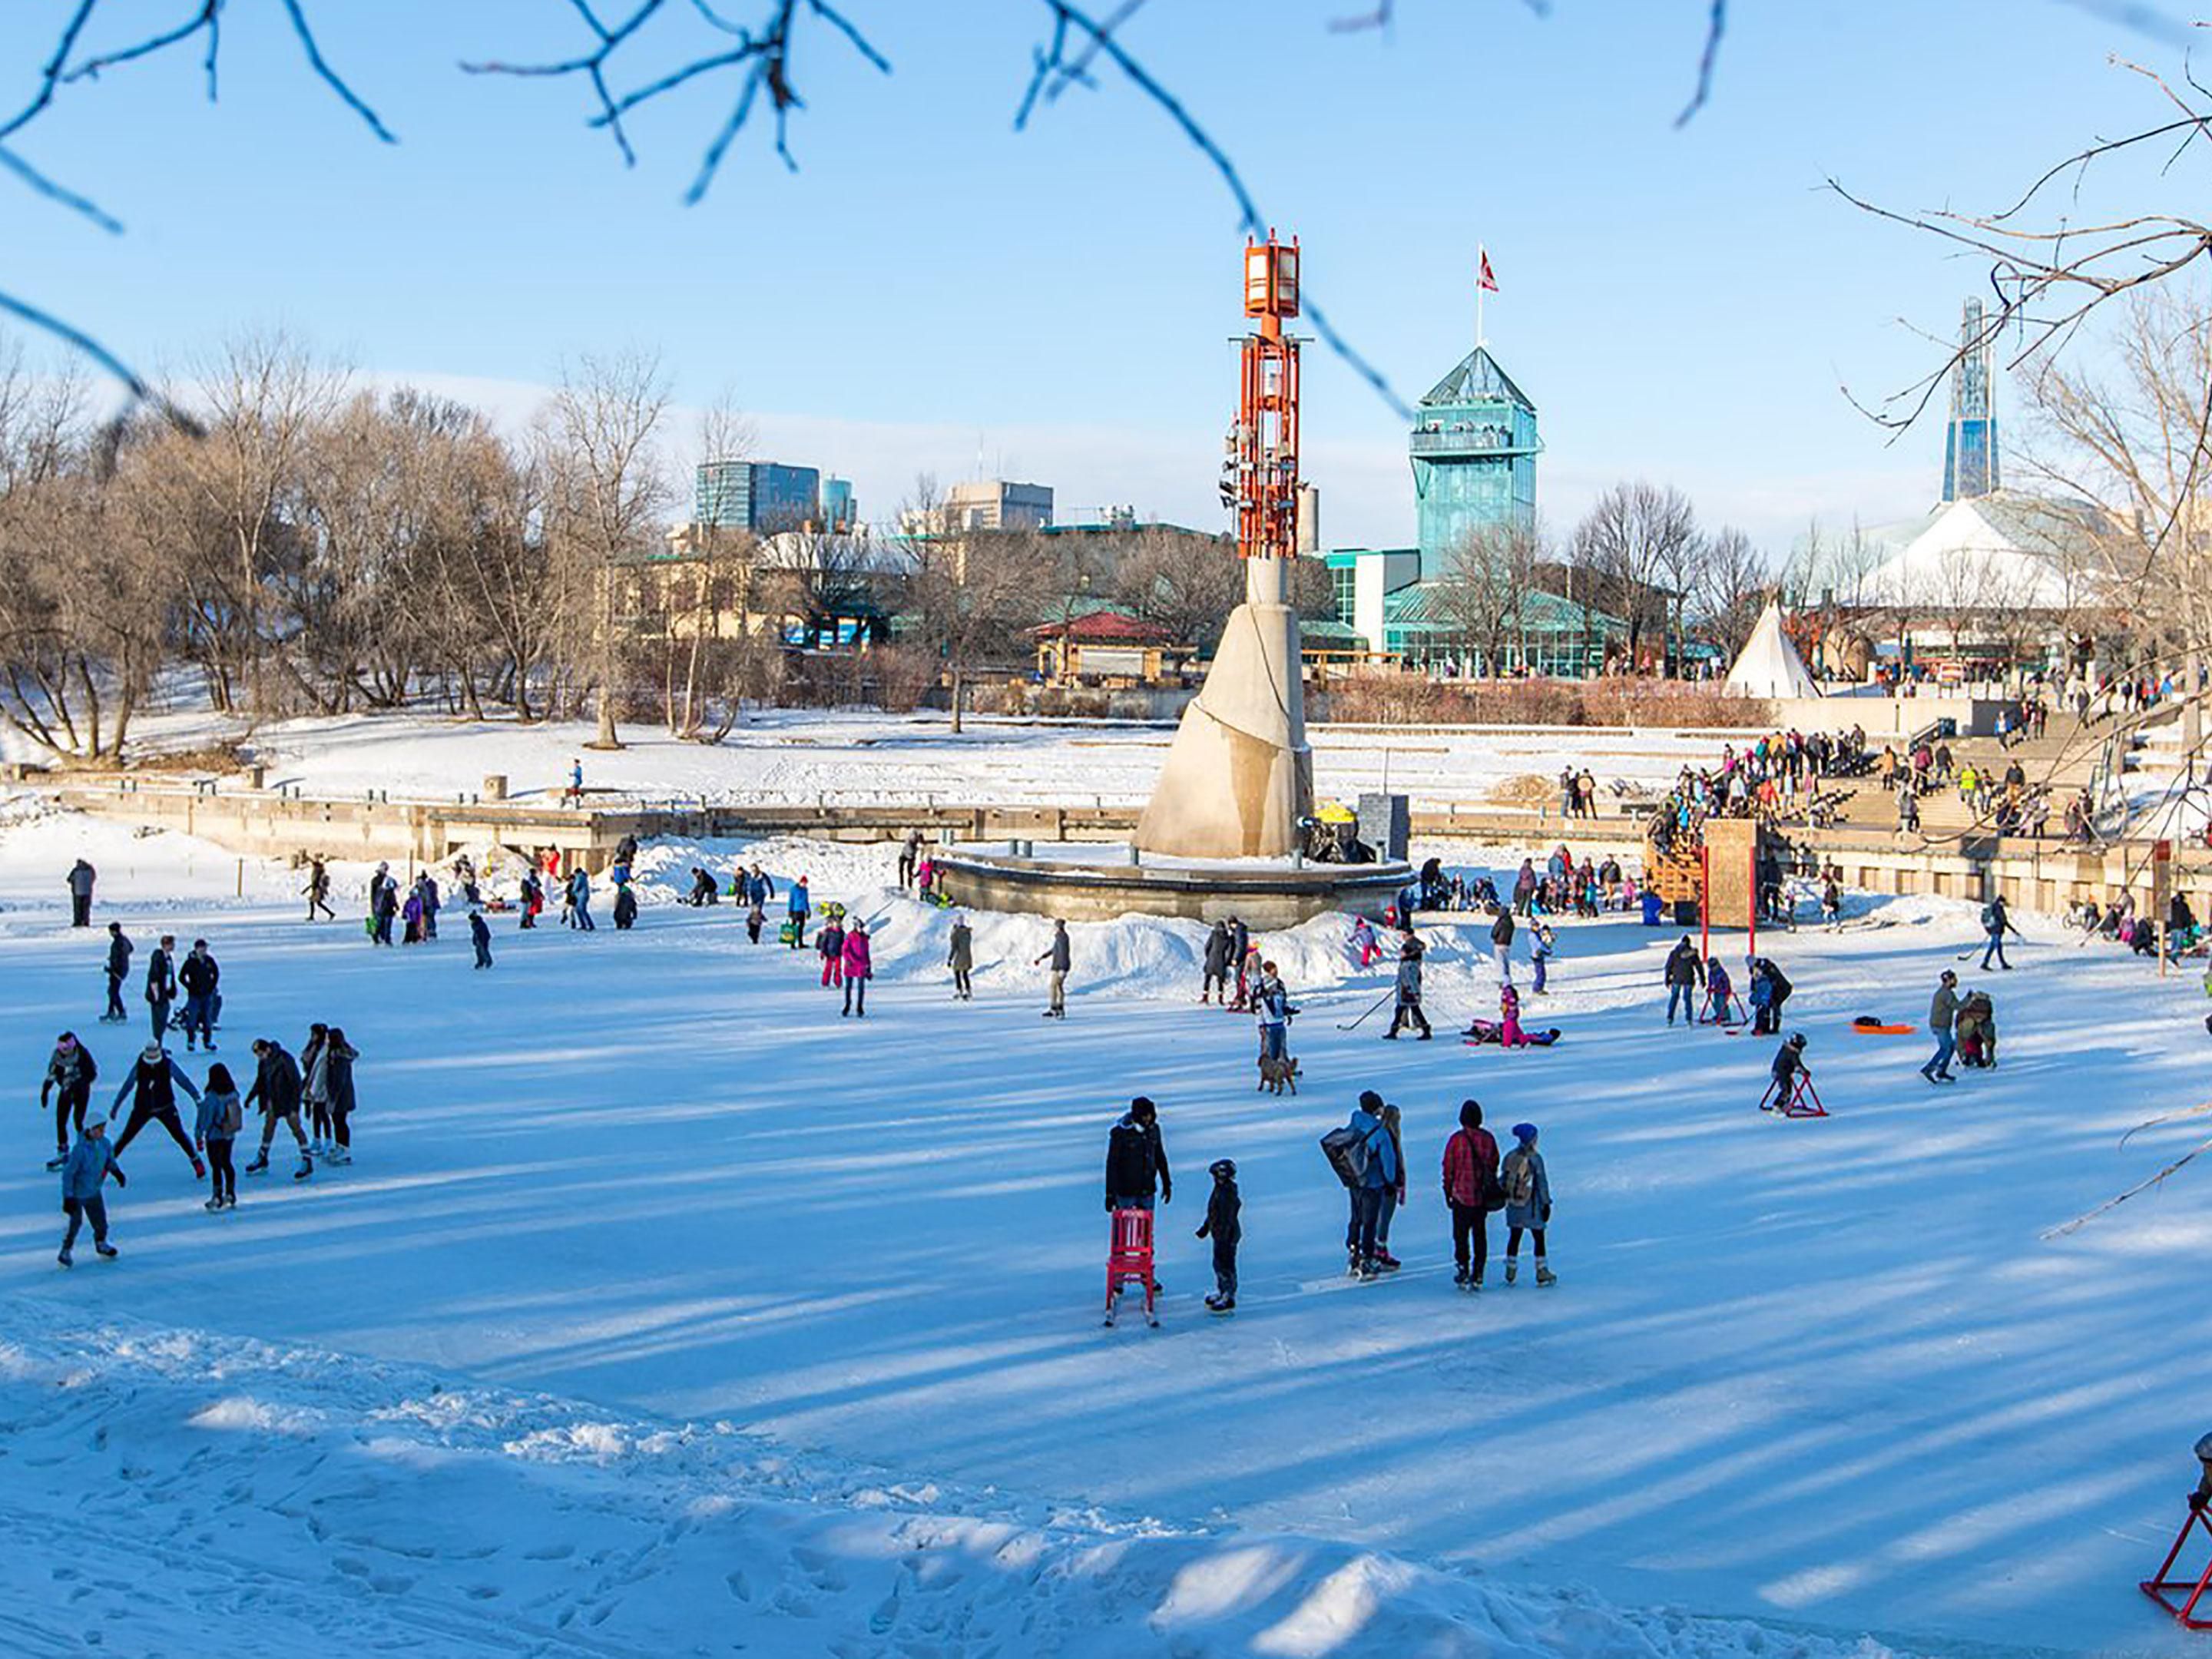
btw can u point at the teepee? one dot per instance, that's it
(1770, 667)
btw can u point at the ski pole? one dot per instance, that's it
(1384, 998)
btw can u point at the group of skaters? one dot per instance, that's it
(1703, 992)
(1368, 1155)
(319, 1083)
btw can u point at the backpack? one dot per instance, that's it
(1516, 1178)
(1348, 1153)
(1989, 917)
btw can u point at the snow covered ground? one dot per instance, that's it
(665, 1311)
(799, 755)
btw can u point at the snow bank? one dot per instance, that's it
(263, 1499)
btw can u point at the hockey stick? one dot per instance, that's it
(2065, 1228)
(2171, 1117)
(1384, 998)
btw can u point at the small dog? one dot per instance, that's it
(1275, 1075)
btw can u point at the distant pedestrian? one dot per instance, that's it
(580, 901)
(314, 1089)
(339, 1058)
(574, 796)
(961, 959)
(318, 891)
(1215, 973)
(830, 945)
(119, 970)
(797, 903)
(1501, 942)
(480, 936)
(1375, 1159)
(1059, 957)
(533, 899)
(755, 917)
(1224, 1225)
(220, 1118)
(1540, 945)
(625, 907)
(909, 857)
(91, 1161)
(81, 878)
(1527, 1203)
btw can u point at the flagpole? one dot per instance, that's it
(1479, 252)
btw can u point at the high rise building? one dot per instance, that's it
(997, 504)
(761, 496)
(1474, 448)
(1970, 443)
(839, 510)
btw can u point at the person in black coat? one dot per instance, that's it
(119, 970)
(161, 984)
(276, 1087)
(1223, 1224)
(1216, 964)
(1137, 1159)
(1686, 972)
(198, 976)
(480, 936)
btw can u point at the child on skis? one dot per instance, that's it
(1527, 1203)
(91, 1161)
(1225, 1227)
(220, 1118)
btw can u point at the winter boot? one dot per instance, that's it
(1463, 1278)
(1387, 1262)
(259, 1164)
(105, 1248)
(65, 1258)
(212, 1205)
(306, 1168)
(1513, 1269)
(57, 1160)
(1545, 1276)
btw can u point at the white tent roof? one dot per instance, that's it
(1769, 666)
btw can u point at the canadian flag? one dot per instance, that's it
(1485, 277)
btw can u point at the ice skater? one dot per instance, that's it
(318, 891)
(961, 959)
(1470, 1183)
(71, 1071)
(151, 1089)
(276, 1087)
(91, 1161)
(1996, 922)
(81, 878)
(1407, 990)
(162, 984)
(858, 967)
(480, 936)
(1527, 1203)
(1224, 1225)
(1684, 974)
(220, 1118)
(199, 976)
(1058, 956)
(119, 970)
(1942, 1016)
(1790, 1073)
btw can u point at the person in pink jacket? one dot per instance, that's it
(858, 969)
(1508, 1024)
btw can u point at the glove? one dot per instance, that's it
(1110, 1206)
(121, 1179)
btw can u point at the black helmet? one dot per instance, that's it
(1222, 1168)
(1796, 1039)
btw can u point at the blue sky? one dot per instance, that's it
(1682, 306)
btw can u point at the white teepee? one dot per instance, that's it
(1769, 666)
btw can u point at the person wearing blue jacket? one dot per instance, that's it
(1379, 1175)
(1527, 1203)
(155, 1080)
(91, 1161)
(797, 904)
(580, 901)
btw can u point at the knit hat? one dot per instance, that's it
(151, 1051)
(1524, 1133)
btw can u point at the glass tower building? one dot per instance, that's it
(1473, 449)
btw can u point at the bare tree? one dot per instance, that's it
(1633, 535)
(972, 592)
(1733, 583)
(1183, 582)
(609, 493)
(1483, 588)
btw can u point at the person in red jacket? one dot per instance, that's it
(1470, 1177)
(858, 967)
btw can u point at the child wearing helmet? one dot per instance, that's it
(1789, 1072)
(1223, 1226)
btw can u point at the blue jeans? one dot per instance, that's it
(1996, 949)
(1366, 1216)
(199, 1018)
(1540, 972)
(1939, 1064)
(1685, 998)
(1271, 1042)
